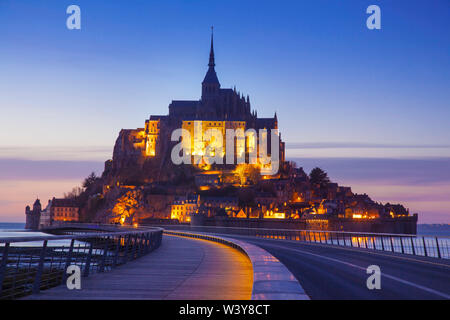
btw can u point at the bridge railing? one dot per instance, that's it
(428, 246)
(31, 264)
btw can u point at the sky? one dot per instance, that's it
(369, 106)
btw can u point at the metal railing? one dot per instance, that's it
(428, 246)
(31, 264)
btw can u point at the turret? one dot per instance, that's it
(37, 206)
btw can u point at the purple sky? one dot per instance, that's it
(371, 107)
(422, 185)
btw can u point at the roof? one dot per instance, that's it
(226, 91)
(63, 203)
(157, 117)
(184, 103)
(265, 122)
(211, 76)
(220, 199)
(215, 118)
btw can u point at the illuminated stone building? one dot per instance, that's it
(143, 157)
(219, 108)
(64, 210)
(184, 207)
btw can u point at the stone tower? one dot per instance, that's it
(33, 216)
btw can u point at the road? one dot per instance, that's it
(180, 269)
(332, 272)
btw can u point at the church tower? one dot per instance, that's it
(210, 84)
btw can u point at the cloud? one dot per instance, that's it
(388, 171)
(423, 185)
(19, 169)
(88, 153)
(361, 145)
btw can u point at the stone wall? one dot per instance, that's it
(404, 225)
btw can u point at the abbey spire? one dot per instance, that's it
(210, 84)
(211, 52)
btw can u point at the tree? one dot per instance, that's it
(319, 177)
(74, 194)
(90, 180)
(246, 197)
(247, 173)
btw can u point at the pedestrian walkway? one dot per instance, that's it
(181, 269)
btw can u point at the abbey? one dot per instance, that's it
(143, 184)
(218, 108)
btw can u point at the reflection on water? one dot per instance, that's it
(24, 234)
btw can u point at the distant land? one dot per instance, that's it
(433, 229)
(422, 229)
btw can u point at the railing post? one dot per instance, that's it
(412, 246)
(156, 240)
(125, 257)
(152, 241)
(382, 243)
(437, 246)
(135, 247)
(3, 265)
(68, 261)
(87, 265)
(105, 253)
(392, 244)
(401, 244)
(146, 243)
(38, 276)
(424, 247)
(116, 254)
(141, 238)
(373, 243)
(158, 237)
(365, 242)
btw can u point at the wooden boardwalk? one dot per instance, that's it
(181, 269)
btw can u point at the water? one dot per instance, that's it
(17, 229)
(438, 230)
(4, 226)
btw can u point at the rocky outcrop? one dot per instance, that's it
(129, 149)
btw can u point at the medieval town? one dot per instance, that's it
(142, 185)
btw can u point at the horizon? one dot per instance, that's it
(368, 107)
